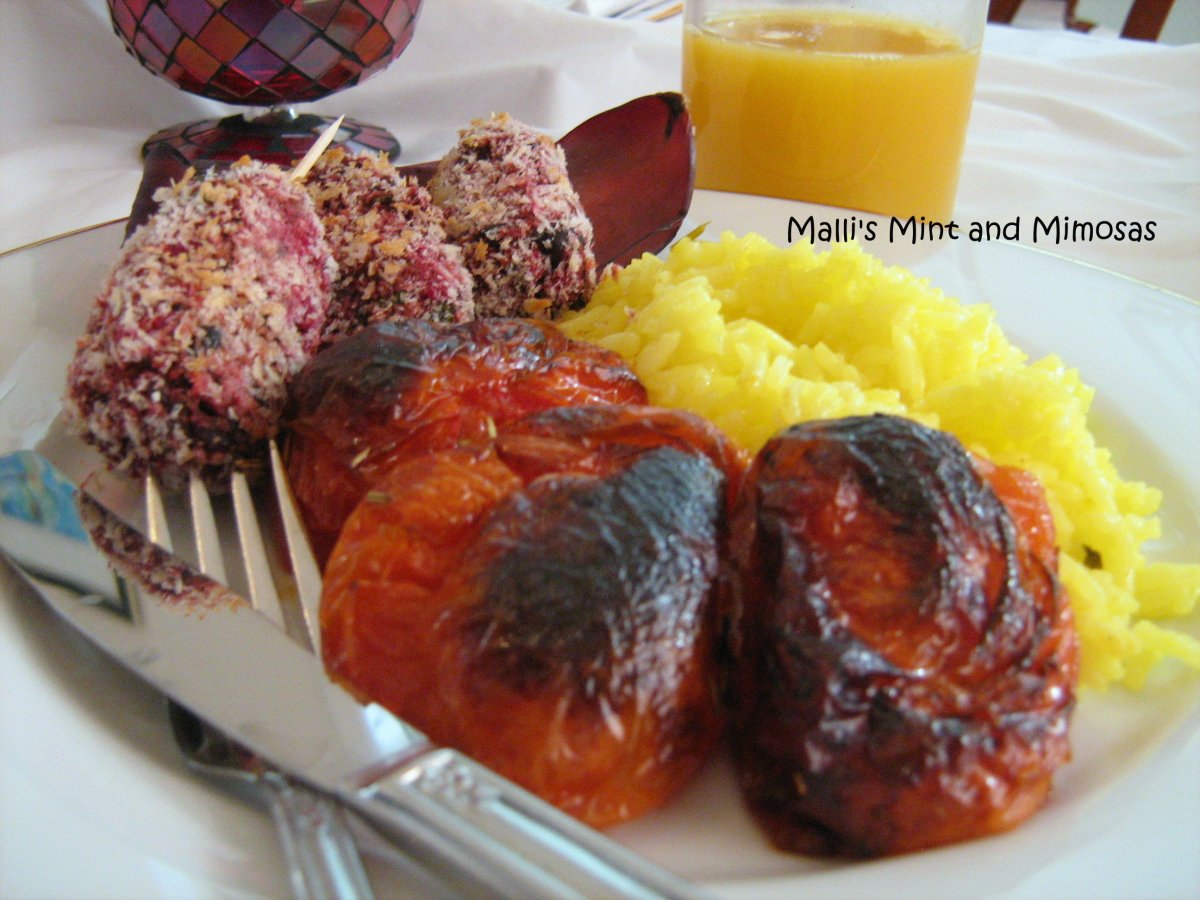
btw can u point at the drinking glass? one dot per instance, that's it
(853, 103)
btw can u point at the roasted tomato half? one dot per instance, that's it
(905, 659)
(395, 391)
(546, 603)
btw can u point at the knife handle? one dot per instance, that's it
(510, 843)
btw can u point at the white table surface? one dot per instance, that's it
(1094, 129)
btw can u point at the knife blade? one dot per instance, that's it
(204, 646)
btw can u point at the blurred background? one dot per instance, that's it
(1107, 17)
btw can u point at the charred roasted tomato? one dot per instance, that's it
(398, 390)
(547, 603)
(905, 659)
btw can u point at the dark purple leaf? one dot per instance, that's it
(633, 167)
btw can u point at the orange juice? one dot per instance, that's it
(848, 109)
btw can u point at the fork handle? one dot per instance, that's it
(322, 859)
(445, 806)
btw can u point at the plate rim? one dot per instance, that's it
(800, 880)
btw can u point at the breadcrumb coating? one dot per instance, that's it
(209, 310)
(387, 237)
(510, 205)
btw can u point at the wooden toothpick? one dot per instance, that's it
(314, 152)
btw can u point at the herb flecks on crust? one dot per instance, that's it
(510, 205)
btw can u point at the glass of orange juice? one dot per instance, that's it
(860, 104)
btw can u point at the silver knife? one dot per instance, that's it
(202, 645)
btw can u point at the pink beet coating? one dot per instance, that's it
(387, 237)
(510, 205)
(213, 304)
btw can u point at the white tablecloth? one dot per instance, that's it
(1066, 125)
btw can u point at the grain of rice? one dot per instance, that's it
(757, 337)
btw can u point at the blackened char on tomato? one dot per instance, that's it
(395, 391)
(547, 603)
(905, 656)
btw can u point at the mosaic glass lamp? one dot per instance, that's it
(266, 54)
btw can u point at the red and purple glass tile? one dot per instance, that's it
(267, 54)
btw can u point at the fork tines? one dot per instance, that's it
(223, 536)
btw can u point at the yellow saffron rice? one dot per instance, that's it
(756, 337)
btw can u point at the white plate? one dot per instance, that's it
(94, 801)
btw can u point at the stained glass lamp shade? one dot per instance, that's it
(267, 54)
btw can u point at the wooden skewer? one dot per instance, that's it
(663, 14)
(314, 152)
(650, 10)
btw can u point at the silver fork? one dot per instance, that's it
(323, 861)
